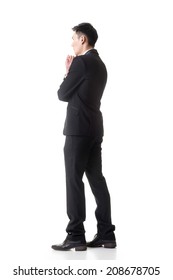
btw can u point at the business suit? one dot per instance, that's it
(83, 89)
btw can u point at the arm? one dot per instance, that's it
(75, 76)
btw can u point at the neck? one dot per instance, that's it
(86, 50)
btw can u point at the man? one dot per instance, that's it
(82, 88)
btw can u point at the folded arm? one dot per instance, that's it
(75, 77)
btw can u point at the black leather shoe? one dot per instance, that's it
(101, 242)
(70, 244)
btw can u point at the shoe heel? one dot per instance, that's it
(110, 245)
(81, 248)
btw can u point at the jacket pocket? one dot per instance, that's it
(77, 123)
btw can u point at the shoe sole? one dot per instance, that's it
(105, 245)
(77, 248)
(81, 248)
(109, 245)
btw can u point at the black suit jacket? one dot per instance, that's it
(82, 89)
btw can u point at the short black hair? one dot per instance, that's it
(88, 30)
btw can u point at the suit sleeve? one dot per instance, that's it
(73, 80)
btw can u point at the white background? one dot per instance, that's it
(135, 42)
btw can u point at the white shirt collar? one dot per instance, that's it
(87, 51)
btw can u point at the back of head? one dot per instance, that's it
(88, 30)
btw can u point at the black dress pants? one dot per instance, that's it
(83, 155)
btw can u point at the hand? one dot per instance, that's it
(68, 62)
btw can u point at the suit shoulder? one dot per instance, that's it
(78, 64)
(78, 60)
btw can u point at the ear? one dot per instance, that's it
(83, 39)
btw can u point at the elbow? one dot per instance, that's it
(61, 96)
